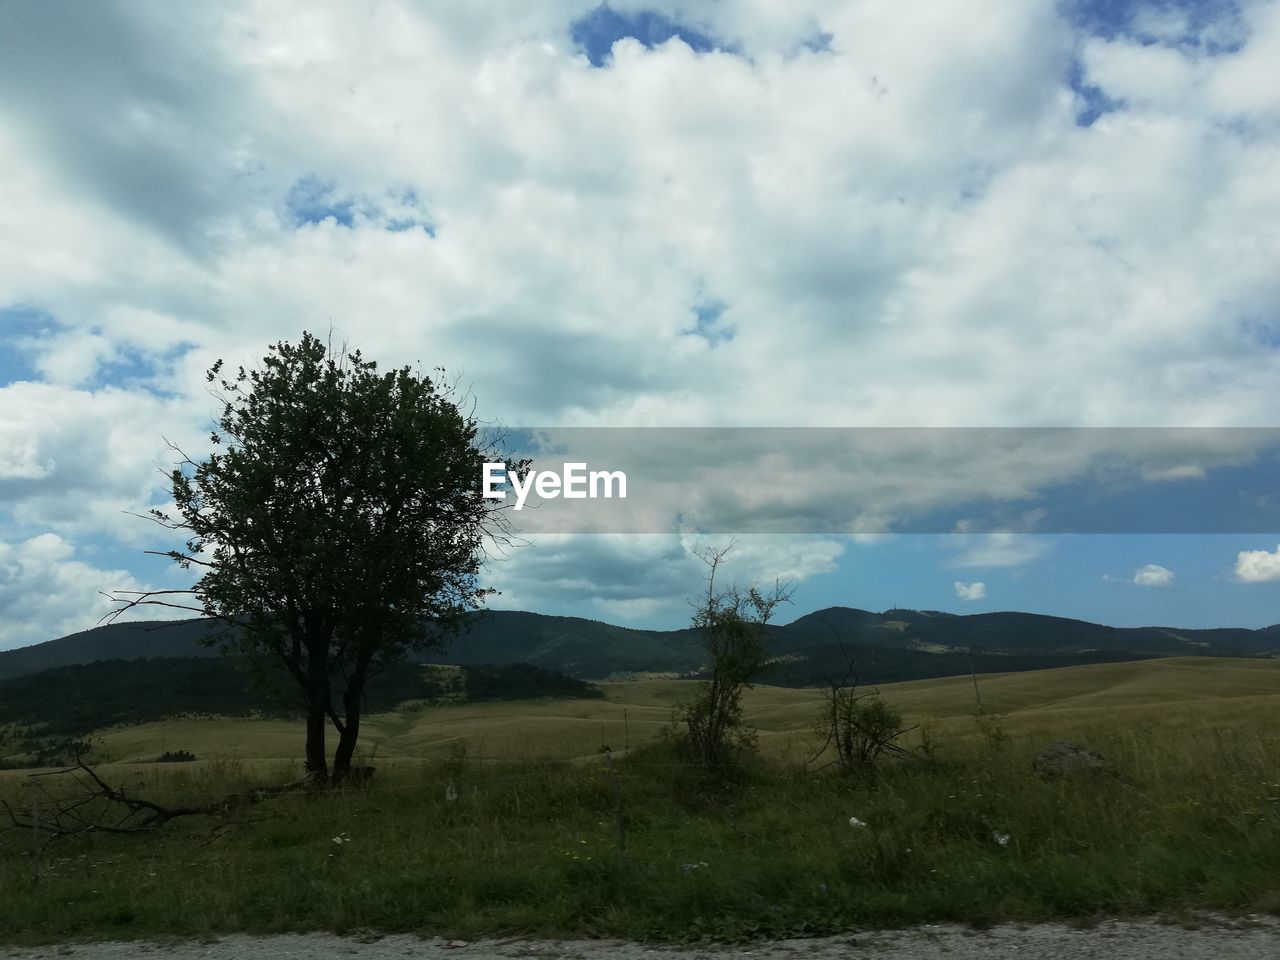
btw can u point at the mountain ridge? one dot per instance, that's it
(905, 643)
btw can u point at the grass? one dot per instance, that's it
(1190, 690)
(1189, 821)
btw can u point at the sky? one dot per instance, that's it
(730, 214)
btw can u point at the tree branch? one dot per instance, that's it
(99, 807)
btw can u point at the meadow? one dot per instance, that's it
(506, 819)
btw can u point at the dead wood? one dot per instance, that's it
(98, 807)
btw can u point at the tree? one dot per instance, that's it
(732, 625)
(340, 526)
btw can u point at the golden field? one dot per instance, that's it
(1190, 695)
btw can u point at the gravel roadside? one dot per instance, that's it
(1255, 938)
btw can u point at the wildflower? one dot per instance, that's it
(855, 822)
(1000, 838)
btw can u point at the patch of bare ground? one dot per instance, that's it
(1202, 937)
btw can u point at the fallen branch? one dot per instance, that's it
(101, 808)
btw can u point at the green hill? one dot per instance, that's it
(889, 646)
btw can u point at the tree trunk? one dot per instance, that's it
(347, 739)
(351, 730)
(317, 760)
(317, 718)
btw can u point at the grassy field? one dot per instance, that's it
(530, 842)
(1170, 693)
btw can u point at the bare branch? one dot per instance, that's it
(142, 598)
(99, 807)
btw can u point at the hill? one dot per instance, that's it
(1012, 633)
(889, 646)
(116, 641)
(571, 645)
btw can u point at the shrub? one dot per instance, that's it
(176, 756)
(862, 727)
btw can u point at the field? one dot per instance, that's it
(504, 819)
(1051, 704)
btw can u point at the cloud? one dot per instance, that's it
(971, 591)
(46, 592)
(1153, 575)
(637, 608)
(76, 462)
(1258, 566)
(869, 481)
(587, 212)
(998, 549)
(888, 220)
(120, 99)
(650, 576)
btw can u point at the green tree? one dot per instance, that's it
(339, 527)
(732, 626)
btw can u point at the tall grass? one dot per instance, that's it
(1189, 820)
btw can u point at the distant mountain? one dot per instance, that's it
(572, 645)
(588, 649)
(1009, 633)
(116, 641)
(894, 645)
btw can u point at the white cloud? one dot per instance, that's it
(46, 592)
(651, 575)
(971, 591)
(937, 201)
(1153, 575)
(78, 462)
(1258, 566)
(998, 549)
(638, 608)
(1168, 25)
(897, 226)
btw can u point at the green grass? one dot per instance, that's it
(1191, 820)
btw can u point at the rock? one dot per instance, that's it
(1067, 760)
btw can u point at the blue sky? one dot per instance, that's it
(1019, 213)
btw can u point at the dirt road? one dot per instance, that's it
(1255, 938)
